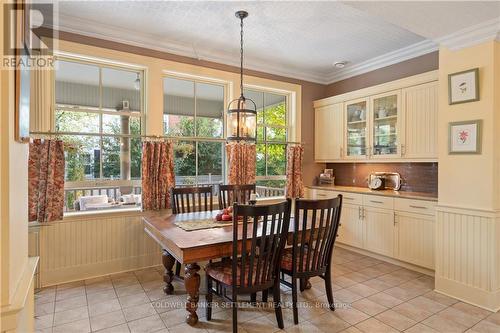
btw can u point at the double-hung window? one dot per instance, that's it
(272, 136)
(98, 113)
(193, 110)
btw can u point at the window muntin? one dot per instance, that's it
(195, 110)
(98, 108)
(272, 136)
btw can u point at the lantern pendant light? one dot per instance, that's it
(242, 112)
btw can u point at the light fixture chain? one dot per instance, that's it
(241, 57)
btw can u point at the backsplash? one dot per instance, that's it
(417, 177)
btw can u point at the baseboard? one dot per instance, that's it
(469, 294)
(403, 264)
(89, 271)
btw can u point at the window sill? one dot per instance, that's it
(95, 214)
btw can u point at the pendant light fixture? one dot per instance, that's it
(242, 112)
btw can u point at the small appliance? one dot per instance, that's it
(384, 181)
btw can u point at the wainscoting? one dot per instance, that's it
(85, 246)
(468, 255)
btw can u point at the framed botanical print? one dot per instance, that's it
(463, 86)
(465, 137)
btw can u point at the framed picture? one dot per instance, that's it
(463, 86)
(465, 137)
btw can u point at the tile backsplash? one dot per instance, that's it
(417, 177)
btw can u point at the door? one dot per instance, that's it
(378, 230)
(356, 134)
(385, 118)
(415, 234)
(351, 229)
(420, 121)
(328, 133)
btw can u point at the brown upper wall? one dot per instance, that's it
(425, 63)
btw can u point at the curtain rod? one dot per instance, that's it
(173, 138)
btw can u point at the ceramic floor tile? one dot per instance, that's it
(444, 324)
(485, 327)
(464, 318)
(70, 293)
(98, 297)
(45, 308)
(396, 320)
(129, 290)
(68, 316)
(71, 303)
(174, 318)
(350, 315)
(403, 294)
(420, 328)
(347, 296)
(139, 311)
(494, 318)
(472, 310)
(107, 320)
(385, 299)
(369, 307)
(146, 324)
(413, 311)
(44, 321)
(123, 328)
(70, 285)
(440, 298)
(362, 289)
(373, 325)
(303, 327)
(135, 299)
(343, 281)
(80, 326)
(104, 307)
(259, 325)
(377, 284)
(328, 322)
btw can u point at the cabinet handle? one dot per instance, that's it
(347, 198)
(341, 152)
(359, 213)
(395, 221)
(363, 212)
(403, 150)
(377, 202)
(320, 195)
(418, 207)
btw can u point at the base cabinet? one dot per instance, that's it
(415, 234)
(351, 226)
(379, 230)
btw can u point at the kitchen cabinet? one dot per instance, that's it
(328, 132)
(393, 121)
(351, 228)
(379, 230)
(420, 121)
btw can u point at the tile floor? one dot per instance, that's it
(372, 296)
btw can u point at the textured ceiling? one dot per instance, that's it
(299, 39)
(299, 36)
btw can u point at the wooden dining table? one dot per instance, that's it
(189, 248)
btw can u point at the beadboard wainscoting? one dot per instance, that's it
(468, 255)
(85, 246)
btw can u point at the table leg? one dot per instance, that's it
(168, 276)
(192, 283)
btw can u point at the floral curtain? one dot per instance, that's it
(241, 160)
(46, 180)
(294, 181)
(157, 174)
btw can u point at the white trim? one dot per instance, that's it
(384, 60)
(476, 34)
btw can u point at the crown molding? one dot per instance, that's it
(394, 57)
(476, 34)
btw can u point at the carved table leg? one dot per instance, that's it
(192, 283)
(168, 263)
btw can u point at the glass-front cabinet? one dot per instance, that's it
(356, 117)
(385, 119)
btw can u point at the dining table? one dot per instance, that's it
(190, 248)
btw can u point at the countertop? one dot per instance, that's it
(386, 193)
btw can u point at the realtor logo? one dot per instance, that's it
(26, 36)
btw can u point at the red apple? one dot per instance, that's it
(226, 217)
(225, 211)
(218, 217)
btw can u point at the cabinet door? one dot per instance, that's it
(328, 132)
(385, 116)
(356, 114)
(420, 119)
(351, 229)
(415, 233)
(379, 230)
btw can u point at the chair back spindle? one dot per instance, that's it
(191, 199)
(229, 194)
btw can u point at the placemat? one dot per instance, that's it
(204, 224)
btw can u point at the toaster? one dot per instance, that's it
(384, 181)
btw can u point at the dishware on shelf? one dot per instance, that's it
(382, 113)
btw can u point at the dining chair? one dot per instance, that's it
(258, 243)
(190, 199)
(229, 194)
(311, 251)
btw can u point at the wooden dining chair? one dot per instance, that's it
(311, 251)
(190, 199)
(257, 249)
(229, 194)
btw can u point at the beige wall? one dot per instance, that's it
(13, 200)
(468, 180)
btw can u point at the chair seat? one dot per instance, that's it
(287, 260)
(223, 272)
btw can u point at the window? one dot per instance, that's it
(98, 110)
(194, 110)
(272, 136)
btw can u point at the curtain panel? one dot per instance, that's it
(294, 181)
(46, 180)
(158, 176)
(241, 158)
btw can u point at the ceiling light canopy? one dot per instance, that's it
(242, 112)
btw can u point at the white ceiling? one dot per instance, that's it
(299, 39)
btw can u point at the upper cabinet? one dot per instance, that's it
(392, 122)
